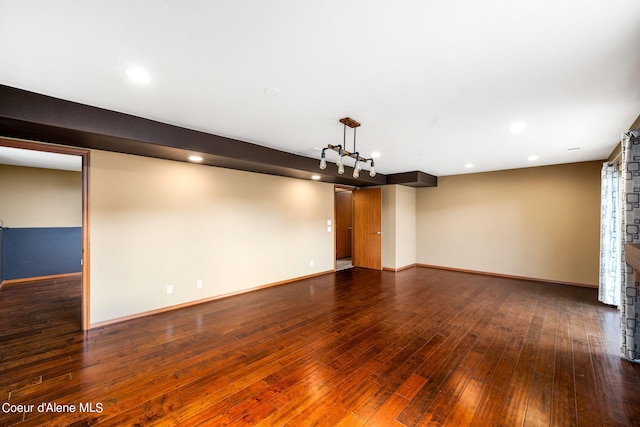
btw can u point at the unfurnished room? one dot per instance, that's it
(337, 213)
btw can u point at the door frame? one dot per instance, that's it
(335, 217)
(353, 213)
(85, 319)
(338, 189)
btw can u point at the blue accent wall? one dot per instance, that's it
(34, 252)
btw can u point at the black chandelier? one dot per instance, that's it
(342, 152)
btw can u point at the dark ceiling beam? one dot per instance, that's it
(28, 115)
(413, 179)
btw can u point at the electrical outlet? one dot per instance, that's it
(199, 284)
(169, 289)
(311, 263)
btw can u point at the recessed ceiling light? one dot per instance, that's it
(195, 158)
(138, 75)
(375, 154)
(272, 91)
(517, 127)
(532, 158)
(315, 177)
(468, 165)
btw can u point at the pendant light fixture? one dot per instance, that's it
(342, 152)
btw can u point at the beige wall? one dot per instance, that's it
(388, 226)
(538, 222)
(156, 223)
(405, 226)
(34, 197)
(399, 226)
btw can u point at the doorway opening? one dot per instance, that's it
(358, 227)
(29, 147)
(344, 227)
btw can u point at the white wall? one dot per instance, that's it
(155, 223)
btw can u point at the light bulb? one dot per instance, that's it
(340, 168)
(339, 162)
(356, 172)
(323, 163)
(357, 164)
(372, 172)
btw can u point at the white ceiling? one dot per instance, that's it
(39, 159)
(436, 84)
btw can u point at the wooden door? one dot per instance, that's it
(343, 224)
(367, 228)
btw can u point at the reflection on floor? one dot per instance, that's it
(414, 347)
(343, 264)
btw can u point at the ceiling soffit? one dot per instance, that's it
(37, 117)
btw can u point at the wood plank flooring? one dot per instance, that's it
(421, 347)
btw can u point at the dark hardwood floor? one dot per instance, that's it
(415, 348)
